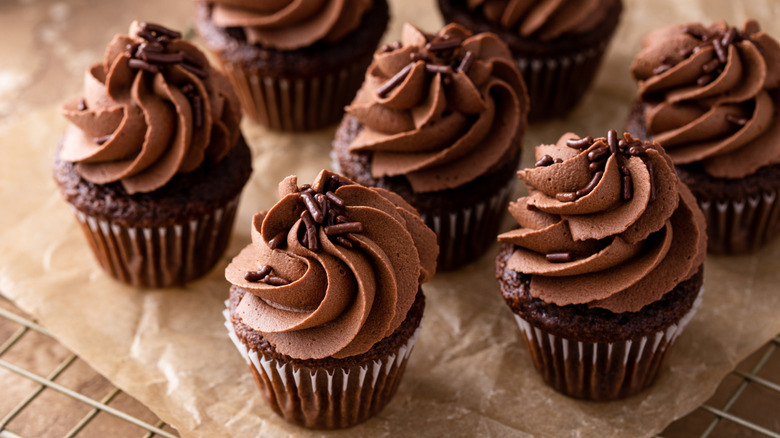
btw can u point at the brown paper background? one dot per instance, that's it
(470, 374)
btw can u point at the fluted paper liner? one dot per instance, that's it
(744, 225)
(160, 256)
(465, 234)
(325, 398)
(296, 104)
(470, 375)
(556, 85)
(601, 371)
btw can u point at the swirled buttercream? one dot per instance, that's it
(441, 109)
(712, 95)
(290, 24)
(607, 223)
(333, 268)
(153, 108)
(544, 19)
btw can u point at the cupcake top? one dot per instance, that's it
(712, 94)
(152, 109)
(440, 109)
(333, 267)
(544, 19)
(607, 223)
(289, 24)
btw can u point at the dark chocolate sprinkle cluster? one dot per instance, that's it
(719, 40)
(153, 55)
(322, 209)
(626, 147)
(442, 54)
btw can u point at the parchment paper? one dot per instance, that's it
(470, 374)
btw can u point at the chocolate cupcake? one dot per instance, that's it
(325, 304)
(153, 162)
(710, 95)
(605, 268)
(294, 65)
(439, 120)
(558, 46)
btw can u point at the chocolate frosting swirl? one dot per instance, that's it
(340, 299)
(544, 19)
(619, 238)
(153, 108)
(441, 109)
(290, 24)
(712, 95)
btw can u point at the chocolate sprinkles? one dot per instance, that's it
(591, 185)
(559, 257)
(628, 147)
(277, 240)
(739, 121)
(395, 81)
(312, 207)
(566, 196)
(612, 141)
(580, 143)
(544, 161)
(255, 276)
(322, 209)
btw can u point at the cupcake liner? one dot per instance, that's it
(604, 370)
(556, 85)
(465, 234)
(156, 257)
(744, 225)
(296, 104)
(325, 398)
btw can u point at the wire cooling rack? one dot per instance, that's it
(57, 395)
(47, 391)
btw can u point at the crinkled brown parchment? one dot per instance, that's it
(470, 374)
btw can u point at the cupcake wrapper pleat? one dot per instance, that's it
(743, 225)
(601, 371)
(465, 234)
(326, 398)
(156, 257)
(556, 85)
(296, 104)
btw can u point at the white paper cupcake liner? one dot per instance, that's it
(556, 85)
(743, 225)
(296, 104)
(465, 234)
(325, 398)
(601, 371)
(160, 256)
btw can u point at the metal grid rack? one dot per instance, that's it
(48, 391)
(745, 405)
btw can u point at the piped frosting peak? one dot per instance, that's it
(607, 223)
(290, 24)
(544, 19)
(440, 109)
(153, 108)
(712, 95)
(333, 268)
